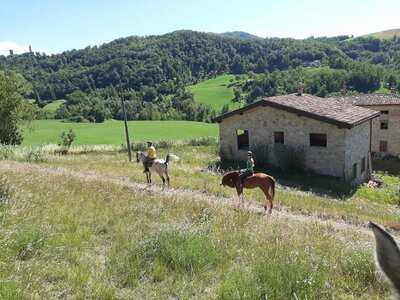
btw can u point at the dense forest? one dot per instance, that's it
(151, 73)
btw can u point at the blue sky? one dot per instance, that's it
(57, 25)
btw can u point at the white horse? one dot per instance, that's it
(159, 166)
(387, 255)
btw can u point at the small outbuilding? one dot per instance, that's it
(333, 138)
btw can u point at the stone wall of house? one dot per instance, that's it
(357, 148)
(392, 134)
(262, 122)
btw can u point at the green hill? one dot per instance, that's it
(53, 106)
(241, 35)
(215, 92)
(386, 34)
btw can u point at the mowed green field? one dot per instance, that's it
(112, 131)
(215, 92)
(53, 106)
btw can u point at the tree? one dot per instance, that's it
(66, 140)
(13, 108)
(237, 95)
(225, 109)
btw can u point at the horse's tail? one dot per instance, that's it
(271, 190)
(170, 158)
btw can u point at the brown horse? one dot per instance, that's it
(387, 255)
(263, 181)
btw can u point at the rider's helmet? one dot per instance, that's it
(249, 153)
(149, 144)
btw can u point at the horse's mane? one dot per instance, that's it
(230, 178)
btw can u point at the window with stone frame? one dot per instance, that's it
(279, 137)
(383, 146)
(318, 140)
(242, 139)
(384, 124)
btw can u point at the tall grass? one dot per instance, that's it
(62, 237)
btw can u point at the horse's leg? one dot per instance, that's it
(239, 191)
(268, 198)
(163, 179)
(166, 175)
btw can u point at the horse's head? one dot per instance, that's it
(230, 178)
(138, 156)
(387, 254)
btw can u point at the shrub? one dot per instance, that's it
(6, 152)
(67, 138)
(290, 158)
(34, 154)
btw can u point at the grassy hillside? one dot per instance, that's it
(215, 92)
(82, 226)
(53, 106)
(387, 34)
(112, 132)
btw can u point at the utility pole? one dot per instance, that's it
(128, 144)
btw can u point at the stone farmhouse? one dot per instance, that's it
(335, 138)
(386, 129)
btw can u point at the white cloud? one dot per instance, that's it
(6, 46)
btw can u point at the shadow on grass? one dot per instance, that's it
(304, 181)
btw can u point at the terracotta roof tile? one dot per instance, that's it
(328, 110)
(371, 99)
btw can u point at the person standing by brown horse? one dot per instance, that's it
(263, 181)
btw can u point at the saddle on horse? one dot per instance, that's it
(148, 163)
(243, 174)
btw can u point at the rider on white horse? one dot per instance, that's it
(157, 165)
(151, 156)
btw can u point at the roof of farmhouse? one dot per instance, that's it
(323, 109)
(371, 99)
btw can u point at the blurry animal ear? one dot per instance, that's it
(387, 254)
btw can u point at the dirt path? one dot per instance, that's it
(256, 207)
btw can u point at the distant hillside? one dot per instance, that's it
(153, 71)
(241, 35)
(162, 64)
(386, 34)
(217, 92)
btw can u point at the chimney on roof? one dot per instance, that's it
(300, 89)
(11, 52)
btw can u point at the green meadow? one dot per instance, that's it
(215, 92)
(112, 131)
(85, 226)
(53, 106)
